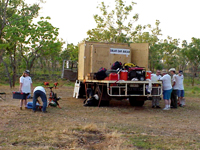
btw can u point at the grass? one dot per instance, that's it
(117, 127)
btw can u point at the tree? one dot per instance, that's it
(111, 25)
(15, 19)
(8, 11)
(41, 39)
(192, 53)
(151, 36)
(170, 52)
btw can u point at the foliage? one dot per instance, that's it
(113, 26)
(192, 55)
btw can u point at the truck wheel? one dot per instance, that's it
(136, 101)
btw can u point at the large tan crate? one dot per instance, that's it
(94, 55)
(140, 54)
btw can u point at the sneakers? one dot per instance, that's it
(166, 108)
(153, 106)
(158, 107)
(20, 108)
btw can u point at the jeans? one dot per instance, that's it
(41, 94)
(174, 98)
(155, 99)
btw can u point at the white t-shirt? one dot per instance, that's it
(174, 80)
(26, 84)
(179, 82)
(39, 88)
(155, 77)
(166, 82)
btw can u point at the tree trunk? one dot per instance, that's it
(8, 74)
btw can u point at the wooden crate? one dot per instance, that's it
(94, 55)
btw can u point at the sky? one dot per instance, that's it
(179, 18)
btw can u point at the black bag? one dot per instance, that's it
(116, 65)
(101, 74)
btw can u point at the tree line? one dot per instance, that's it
(25, 44)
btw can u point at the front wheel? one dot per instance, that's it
(137, 101)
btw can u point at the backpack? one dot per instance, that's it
(101, 74)
(116, 65)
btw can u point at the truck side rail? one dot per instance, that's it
(121, 88)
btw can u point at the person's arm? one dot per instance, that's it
(21, 84)
(174, 81)
(20, 87)
(32, 87)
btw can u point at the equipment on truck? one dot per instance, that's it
(126, 81)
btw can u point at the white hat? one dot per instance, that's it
(172, 69)
(164, 71)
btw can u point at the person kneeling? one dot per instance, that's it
(39, 91)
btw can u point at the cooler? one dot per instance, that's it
(113, 76)
(123, 75)
(148, 75)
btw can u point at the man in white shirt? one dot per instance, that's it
(39, 91)
(180, 88)
(155, 90)
(25, 87)
(174, 89)
(167, 89)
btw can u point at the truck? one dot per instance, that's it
(94, 55)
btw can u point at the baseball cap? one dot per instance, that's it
(27, 71)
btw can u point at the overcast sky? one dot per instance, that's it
(179, 18)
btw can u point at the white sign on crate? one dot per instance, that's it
(120, 51)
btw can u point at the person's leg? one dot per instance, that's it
(44, 100)
(182, 102)
(21, 104)
(35, 96)
(153, 101)
(172, 98)
(153, 98)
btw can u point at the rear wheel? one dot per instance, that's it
(137, 101)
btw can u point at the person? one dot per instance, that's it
(25, 87)
(174, 88)
(156, 91)
(167, 89)
(39, 91)
(180, 87)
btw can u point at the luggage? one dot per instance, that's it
(136, 72)
(114, 76)
(116, 65)
(101, 74)
(129, 65)
(19, 95)
(30, 106)
(110, 71)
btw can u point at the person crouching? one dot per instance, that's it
(39, 91)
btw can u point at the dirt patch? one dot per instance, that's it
(119, 126)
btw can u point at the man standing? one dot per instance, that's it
(180, 87)
(155, 90)
(167, 89)
(174, 88)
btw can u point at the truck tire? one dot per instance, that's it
(137, 101)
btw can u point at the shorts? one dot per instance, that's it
(180, 93)
(25, 95)
(167, 94)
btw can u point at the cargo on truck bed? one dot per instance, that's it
(124, 82)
